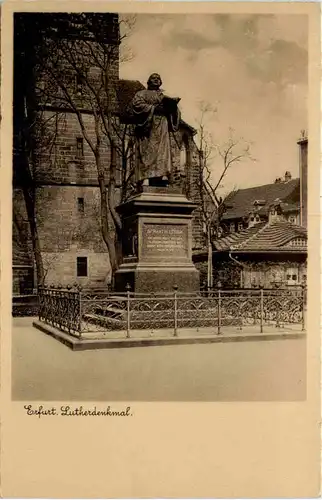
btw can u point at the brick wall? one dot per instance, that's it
(62, 162)
(20, 218)
(63, 221)
(69, 229)
(65, 232)
(22, 281)
(89, 42)
(61, 267)
(67, 201)
(58, 158)
(84, 92)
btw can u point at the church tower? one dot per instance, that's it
(55, 181)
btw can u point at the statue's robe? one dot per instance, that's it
(155, 118)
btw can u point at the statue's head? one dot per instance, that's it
(154, 81)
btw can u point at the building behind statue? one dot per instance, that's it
(264, 233)
(64, 179)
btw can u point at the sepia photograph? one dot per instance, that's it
(159, 204)
(160, 250)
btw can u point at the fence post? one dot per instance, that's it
(55, 320)
(175, 333)
(80, 311)
(277, 325)
(67, 295)
(219, 308)
(261, 307)
(128, 319)
(303, 306)
(40, 298)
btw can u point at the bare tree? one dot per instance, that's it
(215, 157)
(33, 133)
(79, 74)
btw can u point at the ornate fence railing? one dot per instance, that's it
(79, 312)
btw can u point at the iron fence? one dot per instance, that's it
(81, 312)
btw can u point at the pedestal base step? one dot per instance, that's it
(157, 280)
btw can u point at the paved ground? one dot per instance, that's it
(44, 369)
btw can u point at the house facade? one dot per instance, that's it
(264, 235)
(268, 254)
(246, 207)
(250, 206)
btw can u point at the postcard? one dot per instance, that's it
(160, 249)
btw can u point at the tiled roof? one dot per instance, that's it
(274, 236)
(227, 242)
(240, 203)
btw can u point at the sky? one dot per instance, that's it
(251, 69)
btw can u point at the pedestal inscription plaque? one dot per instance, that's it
(167, 242)
(160, 223)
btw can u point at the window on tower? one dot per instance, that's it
(79, 147)
(80, 205)
(81, 266)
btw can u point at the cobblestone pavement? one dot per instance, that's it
(44, 369)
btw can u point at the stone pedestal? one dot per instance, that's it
(157, 245)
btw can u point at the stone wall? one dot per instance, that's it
(67, 229)
(69, 215)
(61, 267)
(21, 228)
(67, 196)
(68, 159)
(22, 281)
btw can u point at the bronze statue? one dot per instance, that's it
(155, 116)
